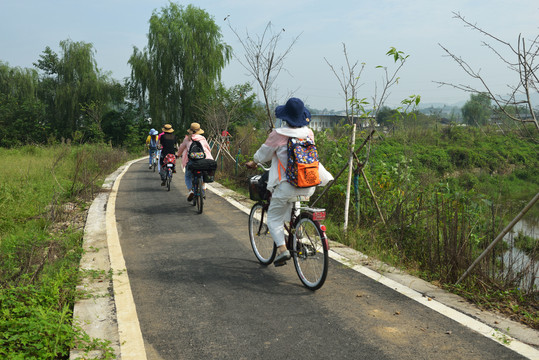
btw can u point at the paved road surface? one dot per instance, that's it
(200, 293)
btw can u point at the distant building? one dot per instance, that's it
(321, 122)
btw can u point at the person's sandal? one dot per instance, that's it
(281, 258)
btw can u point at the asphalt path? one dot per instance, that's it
(200, 293)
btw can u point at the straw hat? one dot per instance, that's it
(195, 129)
(168, 128)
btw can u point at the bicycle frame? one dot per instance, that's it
(158, 156)
(198, 190)
(317, 216)
(169, 167)
(305, 239)
(197, 174)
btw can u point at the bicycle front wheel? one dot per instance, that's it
(261, 240)
(199, 197)
(310, 252)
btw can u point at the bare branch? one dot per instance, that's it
(262, 61)
(348, 81)
(528, 79)
(475, 27)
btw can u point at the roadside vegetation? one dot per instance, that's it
(445, 193)
(44, 195)
(444, 190)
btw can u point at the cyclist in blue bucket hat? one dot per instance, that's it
(296, 119)
(151, 144)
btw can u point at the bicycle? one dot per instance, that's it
(198, 190)
(169, 162)
(306, 239)
(155, 160)
(158, 162)
(203, 171)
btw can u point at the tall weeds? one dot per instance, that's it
(445, 196)
(43, 194)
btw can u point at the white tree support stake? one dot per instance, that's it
(499, 237)
(350, 170)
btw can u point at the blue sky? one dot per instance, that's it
(368, 28)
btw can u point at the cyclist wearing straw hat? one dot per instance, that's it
(194, 133)
(169, 144)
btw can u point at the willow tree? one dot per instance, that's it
(181, 64)
(141, 78)
(21, 112)
(76, 91)
(77, 83)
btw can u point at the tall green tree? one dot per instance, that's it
(140, 82)
(22, 114)
(386, 116)
(180, 66)
(477, 110)
(76, 92)
(230, 108)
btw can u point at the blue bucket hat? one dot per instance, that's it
(294, 113)
(153, 132)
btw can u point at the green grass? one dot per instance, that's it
(41, 246)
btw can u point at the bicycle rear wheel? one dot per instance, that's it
(310, 253)
(198, 196)
(261, 240)
(169, 178)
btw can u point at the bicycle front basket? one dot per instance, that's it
(258, 187)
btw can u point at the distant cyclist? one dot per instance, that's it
(169, 144)
(151, 144)
(194, 134)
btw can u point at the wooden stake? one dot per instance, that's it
(373, 197)
(499, 237)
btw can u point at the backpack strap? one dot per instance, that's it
(280, 163)
(279, 168)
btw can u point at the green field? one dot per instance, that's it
(44, 192)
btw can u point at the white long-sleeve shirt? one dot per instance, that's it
(275, 149)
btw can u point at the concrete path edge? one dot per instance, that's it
(106, 285)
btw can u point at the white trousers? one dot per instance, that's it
(280, 209)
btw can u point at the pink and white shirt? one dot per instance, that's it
(275, 149)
